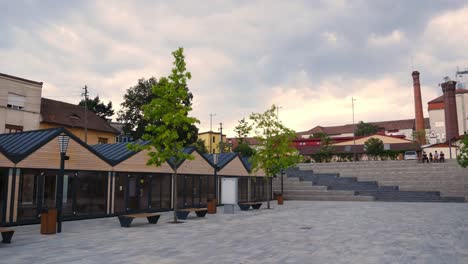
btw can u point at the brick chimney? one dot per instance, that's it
(418, 110)
(450, 109)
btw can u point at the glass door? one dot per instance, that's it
(138, 192)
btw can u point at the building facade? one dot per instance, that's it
(212, 140)
(60, 114)
(436, 108)
(20, 104)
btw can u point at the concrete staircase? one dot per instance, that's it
(295, 188)
(390, 180)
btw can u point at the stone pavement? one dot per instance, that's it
(297, 232)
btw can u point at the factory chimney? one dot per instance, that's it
(450, 109)
(418, 110)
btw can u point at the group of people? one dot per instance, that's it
(433, 158)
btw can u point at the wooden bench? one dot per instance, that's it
(126, 220)
(183, 213)
(7, 234)
(245, 206)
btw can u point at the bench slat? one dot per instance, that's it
(142, 215)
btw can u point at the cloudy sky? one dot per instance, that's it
(309, 57)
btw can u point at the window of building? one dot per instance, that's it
(15, 101)
(13, 128)
(213, 139)
(102, 140)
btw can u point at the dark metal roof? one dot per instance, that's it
(247, 163)
(116, 153)
(17, 146)
(223, 159)
(186, 150)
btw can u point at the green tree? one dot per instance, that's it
(374, 147)
(462, 158)
(242, 130)
(275, 149)
(168, 120)
(131, 113)
(326, 147)
(366, 129)
(97, 106)
(244, 149)
(200, 145)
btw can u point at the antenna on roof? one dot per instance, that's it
(85, 94)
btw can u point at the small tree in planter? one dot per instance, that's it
(168, 121)
(374, 147)
(275, 150)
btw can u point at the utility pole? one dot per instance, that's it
(211, 121)
(85, 94)
(221, 138)
(211, 133)
(354, 129)
(277, 112)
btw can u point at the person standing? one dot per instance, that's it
(436, 156)
(430, 156)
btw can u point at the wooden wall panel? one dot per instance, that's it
(137, 163)
(5, 162)
(197, 166)
(259, 173)
(234, 168)
(48, 157)
(82, 159)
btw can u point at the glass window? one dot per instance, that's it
(166, 191)
(119, 201)
(156, 192)
(27, 209)
(15, 101)
(243, 190)
(91, 193)
(3, 192)
(102, 140)
(13, 128)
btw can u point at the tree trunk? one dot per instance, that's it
(174, 191)
(268, 192)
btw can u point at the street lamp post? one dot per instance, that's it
(63, 144)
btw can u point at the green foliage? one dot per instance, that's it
(242, 130)
(131, 113)
(167, 116)
(168, 120)
(344, 156)
(366, 129)
(245, 150)
(98, 107)
(200, 145)
(389, 154)
(224, 147)
(374, 147)
(462, 158)
(419, 135)
(275, 151)
(318, 135)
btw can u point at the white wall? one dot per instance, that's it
(437, 121)
(462, 112)
(29, 116)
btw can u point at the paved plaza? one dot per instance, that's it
(297, 232)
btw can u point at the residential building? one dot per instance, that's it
(20, 104)
(234, 142)
(436, 108)
(212, 140)
(122, 137)
(356, 146)
(404, 127)
(60, 114)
